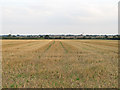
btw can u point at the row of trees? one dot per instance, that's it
(24, 37)
(115, 37)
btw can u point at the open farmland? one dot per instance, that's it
(60, 63)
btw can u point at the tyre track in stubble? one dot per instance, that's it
(63, 47)
(55, 51)
(49, 46)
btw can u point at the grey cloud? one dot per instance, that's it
(59, 16)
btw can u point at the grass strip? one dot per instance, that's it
(64, 47)
(49, 46)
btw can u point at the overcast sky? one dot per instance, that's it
(59, 16)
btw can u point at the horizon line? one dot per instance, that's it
(61, 34)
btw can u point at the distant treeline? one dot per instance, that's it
(109, 37)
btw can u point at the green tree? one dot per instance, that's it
(46, 37)
(9, 35)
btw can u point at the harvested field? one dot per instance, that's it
(60, 63)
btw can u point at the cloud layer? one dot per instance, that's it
(59, 16)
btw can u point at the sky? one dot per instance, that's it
(59, 16)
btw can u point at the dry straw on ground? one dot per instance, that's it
(60, 63)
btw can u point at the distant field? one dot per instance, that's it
(60, 63)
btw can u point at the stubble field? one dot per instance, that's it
(60, 63)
